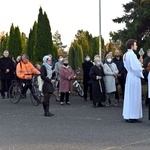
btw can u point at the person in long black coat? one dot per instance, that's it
(7, 68)
(118, 60)
(98, 87)
(145, 73)
(46, 76)
(86, 66)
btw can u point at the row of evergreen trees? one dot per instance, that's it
(84, 44)
(41, 42)
(38, 44)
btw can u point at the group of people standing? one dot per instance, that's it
(101, 76)
(49, 73)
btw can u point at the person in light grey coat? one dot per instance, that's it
(110, 71)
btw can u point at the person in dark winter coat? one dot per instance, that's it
(147, 59)
(7, 68)
(98, 87)
(118, 60)
(145, 73)
(54, 61)
(86, 66)
(46, 76)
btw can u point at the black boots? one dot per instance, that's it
(46, 109)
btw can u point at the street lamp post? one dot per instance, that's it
(100, 42)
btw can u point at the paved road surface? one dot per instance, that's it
(74, 127)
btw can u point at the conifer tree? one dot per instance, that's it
(44, 44)
(71, 57)
(15, 43)
(55, 51)
(11, 42)
(137, 24)
(24, 42)
(4, 43)
(31, 43)
(57, 41)
(75, 55)
(18, 47)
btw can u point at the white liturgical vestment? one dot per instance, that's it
(132, 107)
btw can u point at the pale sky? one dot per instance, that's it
(66, 16)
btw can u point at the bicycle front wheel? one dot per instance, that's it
(35, 96)
(80, 90)
(15, 93)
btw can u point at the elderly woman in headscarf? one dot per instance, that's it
(46, 75)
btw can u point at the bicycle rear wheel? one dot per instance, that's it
(15, 93)
(80, 90)
(35, 96)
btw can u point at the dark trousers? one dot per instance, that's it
(147, 101)
(26, 84)
(86, 86)
(122, 85)
(5, 85)
(62, 96)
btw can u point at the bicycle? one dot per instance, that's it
(77, 84)
(15, 92)
(35, 94)
(79, 89)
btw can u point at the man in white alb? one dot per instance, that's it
(132, 107)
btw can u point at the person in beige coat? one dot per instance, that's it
(110, 71)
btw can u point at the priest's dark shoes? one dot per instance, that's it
(134, 121)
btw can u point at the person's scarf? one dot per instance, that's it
(48, 68)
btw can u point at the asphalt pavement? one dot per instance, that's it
(73, 127)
